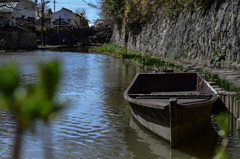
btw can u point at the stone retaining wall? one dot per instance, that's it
(193, 37)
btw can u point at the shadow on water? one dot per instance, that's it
(202, 145)
(73, 49)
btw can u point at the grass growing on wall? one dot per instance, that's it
(134, 56)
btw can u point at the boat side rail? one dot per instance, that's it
(152, 96)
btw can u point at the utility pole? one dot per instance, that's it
(54, 2)
(42, 22)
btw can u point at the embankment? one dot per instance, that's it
(194, 37)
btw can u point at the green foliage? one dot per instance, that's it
(148, 60)
(112, 11)
(9, 79)
(172, 8)
(139, 11)
(80, 19)
(49, 77)
(223, 121)
(221, 153)
(30, 103)
(238, 97)
(135, 56)
(38, 31)
(217, 58)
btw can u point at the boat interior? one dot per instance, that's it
(159, 88)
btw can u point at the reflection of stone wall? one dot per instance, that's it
(193, 37)
(17, 40)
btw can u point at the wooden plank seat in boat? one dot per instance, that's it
(176, 93)
(165, 102)
(161, 99)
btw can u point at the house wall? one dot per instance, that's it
(65, 14)
(26, 9)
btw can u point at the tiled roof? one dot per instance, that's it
(64, 9)
(7, 7)
(67, 9)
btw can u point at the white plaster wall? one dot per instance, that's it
(65, 14)
(25, 9)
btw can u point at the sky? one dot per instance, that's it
(92, 14)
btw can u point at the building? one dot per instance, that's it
(13, 13)
(97, 23)
(66, 18)
(63, 17)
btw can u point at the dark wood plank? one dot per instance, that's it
(150, 96)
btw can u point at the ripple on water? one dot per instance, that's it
(95, 124)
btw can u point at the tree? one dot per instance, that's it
(80, 19)
(112, 11)
(42, 8)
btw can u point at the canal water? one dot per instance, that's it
(97, 123)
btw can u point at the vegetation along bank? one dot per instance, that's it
(196, 31)
(150, 62)
(200, 35)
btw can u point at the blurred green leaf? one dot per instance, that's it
(9, 79)
(30, 103)
(221, 153)
(49, 76)
(223, 122)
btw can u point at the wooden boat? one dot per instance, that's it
(172, 105)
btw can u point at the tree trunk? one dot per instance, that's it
(18, 142)
(42, 23)
(47, 142)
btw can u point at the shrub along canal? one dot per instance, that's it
(97, 122)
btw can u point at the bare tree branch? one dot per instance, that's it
(92, 5)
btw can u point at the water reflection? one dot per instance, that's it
(200, 146)
(97, 123)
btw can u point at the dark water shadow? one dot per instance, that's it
(73, 49)
(201, 145)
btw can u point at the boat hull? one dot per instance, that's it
(156, 120)
(174, 106)
(173, 127)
